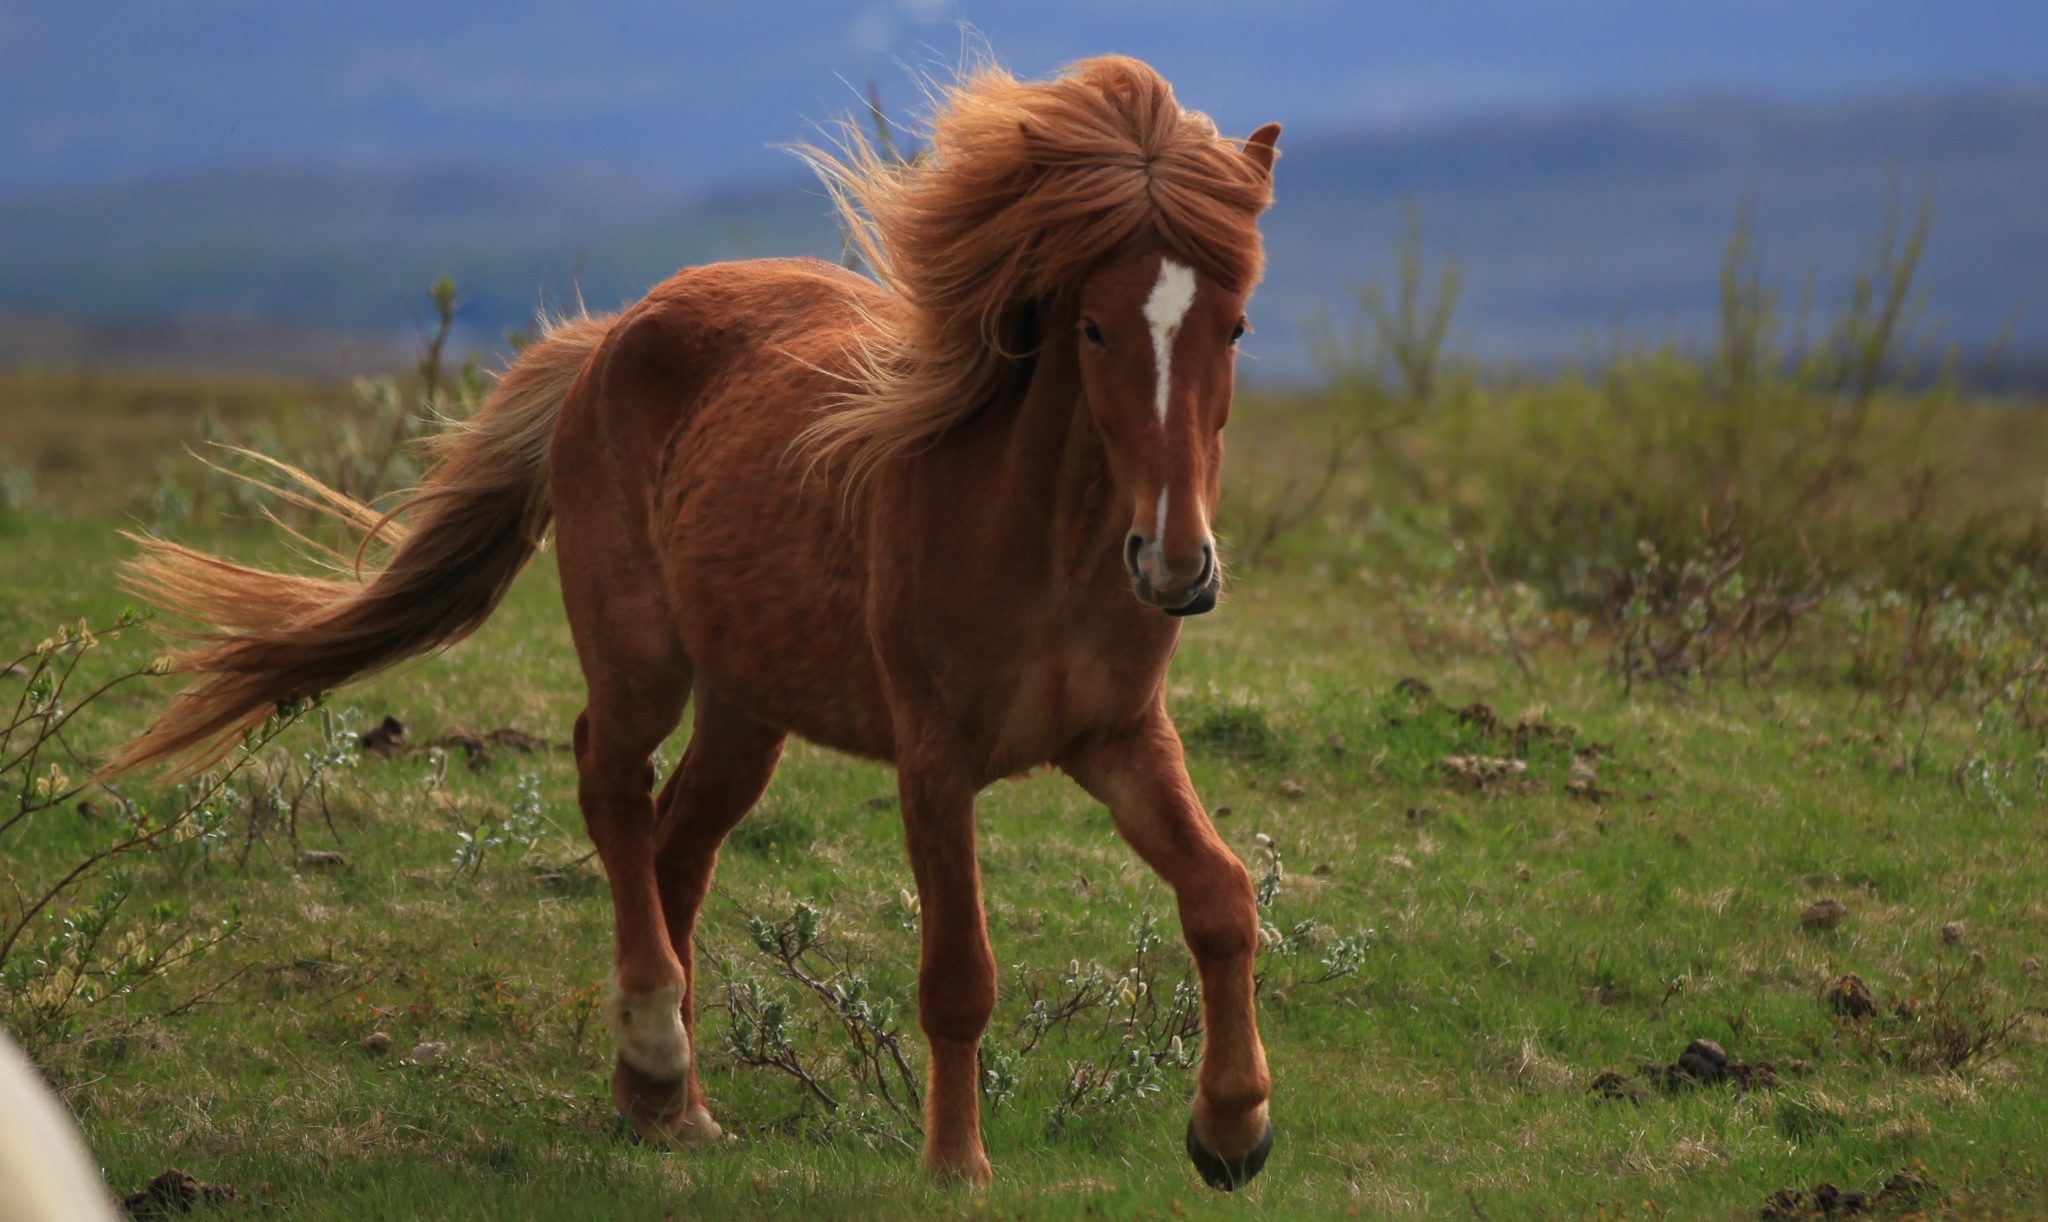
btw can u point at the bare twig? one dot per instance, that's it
(1500, 607)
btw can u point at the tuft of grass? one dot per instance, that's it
(784, 830)
(1235, 729)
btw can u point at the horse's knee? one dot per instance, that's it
(956, 1003)
(1221, 920)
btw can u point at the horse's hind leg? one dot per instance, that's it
(615, 739)
(1143, 780)
(724, 770)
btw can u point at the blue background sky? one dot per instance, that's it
(268, 163)
(689, 94)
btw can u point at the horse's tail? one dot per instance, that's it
(467, 531)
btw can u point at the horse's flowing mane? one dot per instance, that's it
(1026, 186)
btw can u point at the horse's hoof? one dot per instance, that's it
(958, 1163)
(1226, 1174)
(659, 1111)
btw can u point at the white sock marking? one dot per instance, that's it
(649, 1028)
(1172, 294)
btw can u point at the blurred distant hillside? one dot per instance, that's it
(1565, 224)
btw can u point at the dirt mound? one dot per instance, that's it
(1850, 997)
(176, 1192)
(1905, 1189)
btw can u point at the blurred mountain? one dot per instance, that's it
(1565, 225)
(1569, 225)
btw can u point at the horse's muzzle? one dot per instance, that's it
(1197, 597)
(1204, 600)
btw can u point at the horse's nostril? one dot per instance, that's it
(1208, 566)
(1132, 546)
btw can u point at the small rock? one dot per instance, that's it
(1682, 840)
(512, 739)
(386, 738)
(1851, 997)
(1323, 869)
(377, 1043)
(1421, 814)
(1784, 1205)
(474, 748)
(1953, 933)
(882, 801)
(1222, 812)
(1478, 714)
(2031, 966)
(1612, 1084)
(1703, 1061)
(1698, 1068)
(321, 859)
(1415, 689)
(427, 1052)
(1822, 914)
(15, 670)
(1584, 781)
(1292, 787)
(1753, 1075)
(1480, 771)
(1905, 1187)
(1523, 872)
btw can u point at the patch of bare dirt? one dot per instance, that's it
(177, 1192)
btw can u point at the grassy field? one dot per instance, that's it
(1457, 954)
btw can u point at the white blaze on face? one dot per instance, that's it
(1172, 294)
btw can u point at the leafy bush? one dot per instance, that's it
(68, 941)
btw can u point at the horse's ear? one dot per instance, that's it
(1263, 146)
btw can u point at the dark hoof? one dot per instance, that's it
(648, 1104)
(1224, 1174)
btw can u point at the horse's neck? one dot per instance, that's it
(1058, 485)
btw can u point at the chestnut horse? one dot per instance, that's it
(945, 518)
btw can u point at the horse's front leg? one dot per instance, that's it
(956, 974)
(1143, 779)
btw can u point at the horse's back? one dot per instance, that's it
(680, 476)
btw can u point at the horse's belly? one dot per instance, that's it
(768, 602)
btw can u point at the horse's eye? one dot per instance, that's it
(1237, 332)
(1093, 332)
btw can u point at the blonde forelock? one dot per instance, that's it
(1025, 187)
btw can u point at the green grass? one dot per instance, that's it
(1522, 941)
